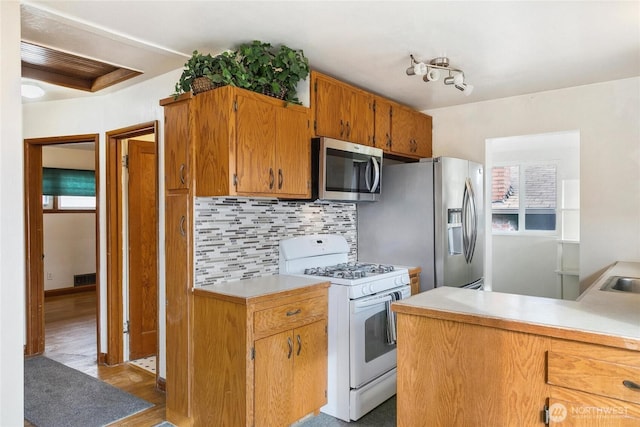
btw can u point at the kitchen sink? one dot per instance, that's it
(622, 284)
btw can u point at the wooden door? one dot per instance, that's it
(255, 136)
(176, 146)
(143, 249)
(329, 114)
(274, 380)
(309, 368)
(402, 130)
(359, 125)
(177, 276)
(423, 134)
(382, 124)
(293, 152)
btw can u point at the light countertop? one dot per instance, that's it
(601, 317)
(255, 288)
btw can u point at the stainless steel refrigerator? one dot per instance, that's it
(430, 215)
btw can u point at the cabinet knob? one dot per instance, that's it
(348, 129)
(280, 179)
(290, 347)
(299, 345)
(271, 178)
(341, 128)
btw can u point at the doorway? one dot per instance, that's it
(132, 243)
(34, 224)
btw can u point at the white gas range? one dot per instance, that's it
(361, 331)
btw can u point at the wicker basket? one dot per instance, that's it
(203, 84)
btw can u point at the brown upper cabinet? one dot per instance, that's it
(401, 131)
(243, 143)
(341, 111)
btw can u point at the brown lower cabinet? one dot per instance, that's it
(259, 361)
(456, 373)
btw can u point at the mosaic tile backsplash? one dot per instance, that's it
(237, 238)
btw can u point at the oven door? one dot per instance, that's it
(370, 354)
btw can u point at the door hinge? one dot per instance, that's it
(315, 126)
(125, 161)
(253, 353)
(235, 180)
(126, 327)
(374, 106)
(545, 415)
(315, 86)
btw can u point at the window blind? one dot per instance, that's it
(68, 182)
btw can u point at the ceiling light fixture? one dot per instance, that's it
(31, 91)
(431, 72)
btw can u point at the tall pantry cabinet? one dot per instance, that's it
(227, 141)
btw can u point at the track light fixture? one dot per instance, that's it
(431, 71)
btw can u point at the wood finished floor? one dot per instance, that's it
(70, 338)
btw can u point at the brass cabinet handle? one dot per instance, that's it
(290, 347)
(293, 313)
(271, 178)
(631, 385)
(280, 179)
(299, 345)
(348, 129)
(183, 232)
(341, 127)
(182, 181)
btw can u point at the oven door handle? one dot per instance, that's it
(360, 305)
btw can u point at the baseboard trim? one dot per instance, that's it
(67, 291)
(161, 383)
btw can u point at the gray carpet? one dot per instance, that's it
(58, 396)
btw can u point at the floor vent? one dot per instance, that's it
(84, 279)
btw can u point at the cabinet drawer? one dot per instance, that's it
(602, 377)
(289, 315)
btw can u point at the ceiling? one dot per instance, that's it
(505, 48)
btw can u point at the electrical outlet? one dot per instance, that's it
(49, 276)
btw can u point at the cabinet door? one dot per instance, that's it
(255, 145)
(293, 153)
(402, 130)
(310, 368)
(178, 230)
(273, 380)
(329, 109)
(359, 120)
(382, 124)
(176, 146)
(423, 134)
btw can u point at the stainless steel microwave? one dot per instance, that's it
(345, 171)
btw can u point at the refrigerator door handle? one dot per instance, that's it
(465, 222)
(474, 219)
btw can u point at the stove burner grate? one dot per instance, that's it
(350, 270)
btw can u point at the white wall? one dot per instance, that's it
(69, 247)
(12, 248)
(606, 115)
(130, 106)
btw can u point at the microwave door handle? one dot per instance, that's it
(376, 176)
(367, 172)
